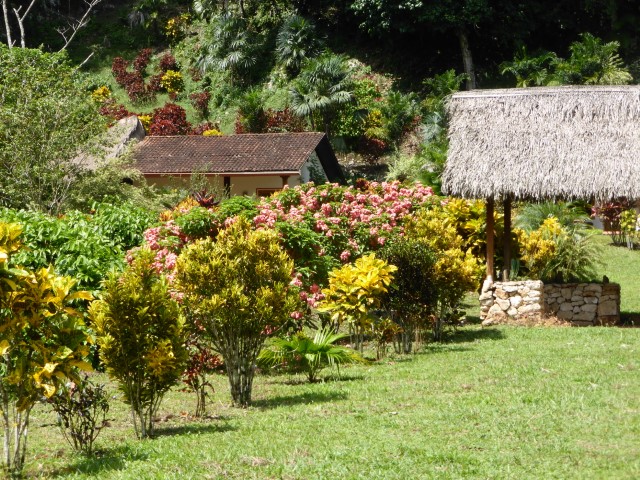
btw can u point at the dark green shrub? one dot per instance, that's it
(245, 207)
(413, 294)
(199, 222)
(82, 409)
(72, 244)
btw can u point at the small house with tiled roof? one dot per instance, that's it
(244, 164)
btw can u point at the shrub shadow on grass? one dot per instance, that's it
(193, 428)
(330, 378)
(102, 460)
(469, 335)
(301, 399)
(629, 319)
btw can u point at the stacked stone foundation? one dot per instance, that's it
(579, 303)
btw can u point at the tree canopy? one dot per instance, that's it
(46, 119)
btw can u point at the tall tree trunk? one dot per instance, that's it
(7, 27)
(240, 373)
(467, 59)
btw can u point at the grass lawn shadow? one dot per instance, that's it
(300, 399)
(193, 428)
(471, 335)
(329, 378)
(111, 459)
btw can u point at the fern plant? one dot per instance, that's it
(310, 354)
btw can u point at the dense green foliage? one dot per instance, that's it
(413, 295)
(80, 245)
(46, 117)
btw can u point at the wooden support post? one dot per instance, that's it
(506, 240)
(490, 243)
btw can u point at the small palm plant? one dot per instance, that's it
(310, 354)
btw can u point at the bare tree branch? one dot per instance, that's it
(21, 21)
(85, 60)
(7, 27)
(76, 25)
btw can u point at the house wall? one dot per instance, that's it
(240, 184)
(312, 170)
(247, 185)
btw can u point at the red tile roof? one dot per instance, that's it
(260, 153)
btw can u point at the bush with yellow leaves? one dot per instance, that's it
(554, 253)
(354, 290)
(141, 334)
(43, 342)
(456, 270)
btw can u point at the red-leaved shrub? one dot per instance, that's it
(200, 101)
(142, 60)
(279, 121)
(115, 111)
(168, 62)
(169, 120)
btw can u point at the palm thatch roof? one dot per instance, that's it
(545, 143)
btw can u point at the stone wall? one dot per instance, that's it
(584, 303)
(579, 303)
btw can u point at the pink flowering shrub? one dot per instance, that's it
(320, 226)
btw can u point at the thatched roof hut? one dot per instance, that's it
(544, 143)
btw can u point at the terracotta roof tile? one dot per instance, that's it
(260, 153)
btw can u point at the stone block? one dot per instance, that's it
(512, 312)
(593, 288)
(495, 309)
(584, 317)
(589, 307)
(515, 301)
(607, 308)
(503, 304)
(534, 307)
(486, 296)
(533, 294)
(567, 293)
(500, 293)
(566, 307)
(564, 315)
(510, 288)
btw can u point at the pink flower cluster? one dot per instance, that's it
(166, 241)
(313, 296)
(354, 220)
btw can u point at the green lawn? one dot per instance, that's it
(622, 266)
(492, 403)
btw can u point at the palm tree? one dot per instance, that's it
(324, 84)
(231, 47)
(594, 62)
(312, 354)
(296, 41)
